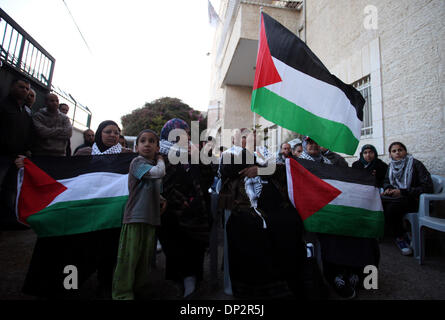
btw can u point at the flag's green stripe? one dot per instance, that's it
(348, 221)
(80, 216)
(330, 134)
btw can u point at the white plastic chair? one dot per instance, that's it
(422, 218)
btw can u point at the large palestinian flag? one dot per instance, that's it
(335, 200)
(71, 195)
(293, 89)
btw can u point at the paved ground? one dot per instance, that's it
(400, 278)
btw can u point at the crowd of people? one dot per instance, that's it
(170, 202)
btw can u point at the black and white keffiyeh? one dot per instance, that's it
(316, 158)
(167, 147)
(253, 187)
(401, 172)
(112, 150)
(305, 155)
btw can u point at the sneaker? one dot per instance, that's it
(408, 238)
(342, 288)
(404, 247)
(310, 250)
(354, 280)
(189, 286)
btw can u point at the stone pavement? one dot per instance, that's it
(400, 278)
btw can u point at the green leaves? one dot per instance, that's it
(156, 113)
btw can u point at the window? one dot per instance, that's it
(364, 87)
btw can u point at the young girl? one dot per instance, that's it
(142, 215)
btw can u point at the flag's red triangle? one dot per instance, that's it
(310, 193)
(265, 72)
(37, 191)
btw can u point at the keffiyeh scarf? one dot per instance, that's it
(401, 172)
(253, 186)
(305, 155)
(112, 150)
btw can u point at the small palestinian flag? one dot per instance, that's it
(293, 89)
(71, 195)
(335, 200)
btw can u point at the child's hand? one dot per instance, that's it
(159, 157)
(395, 193)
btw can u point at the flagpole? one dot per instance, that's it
(259, 36)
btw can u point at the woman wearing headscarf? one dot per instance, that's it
(184, 230)
(266, 251)
(369, 160)
(343, 257)
(405, 180)
(106, 141)
(102, 246)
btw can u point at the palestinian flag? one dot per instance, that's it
(71, 195)
(293, 89)
(335, 200)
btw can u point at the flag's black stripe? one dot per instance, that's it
(288, 48)
(328, 171)
(69, 167)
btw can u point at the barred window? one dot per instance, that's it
(364, 87)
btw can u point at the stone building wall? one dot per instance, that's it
(409, 46)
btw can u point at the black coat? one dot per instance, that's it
(336, 159)
(421, 182)
(380, 167)
(15, 128)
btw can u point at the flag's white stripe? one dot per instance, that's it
(315, 96)
(356, 195)
(93, 185)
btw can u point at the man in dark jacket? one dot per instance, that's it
(15, 140)
(335, 158)
(88, 140)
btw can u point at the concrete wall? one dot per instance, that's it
(236, 110)
(76, 139)
(404, 57)
(409, 46)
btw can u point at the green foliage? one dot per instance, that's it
(155, 114)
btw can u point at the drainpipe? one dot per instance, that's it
(303, 24)
(304, 17)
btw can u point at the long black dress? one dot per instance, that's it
(263, 263)
(184, 230)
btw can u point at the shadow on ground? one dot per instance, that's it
(400, 278)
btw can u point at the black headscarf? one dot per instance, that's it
(98, 136)
(366, 164)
